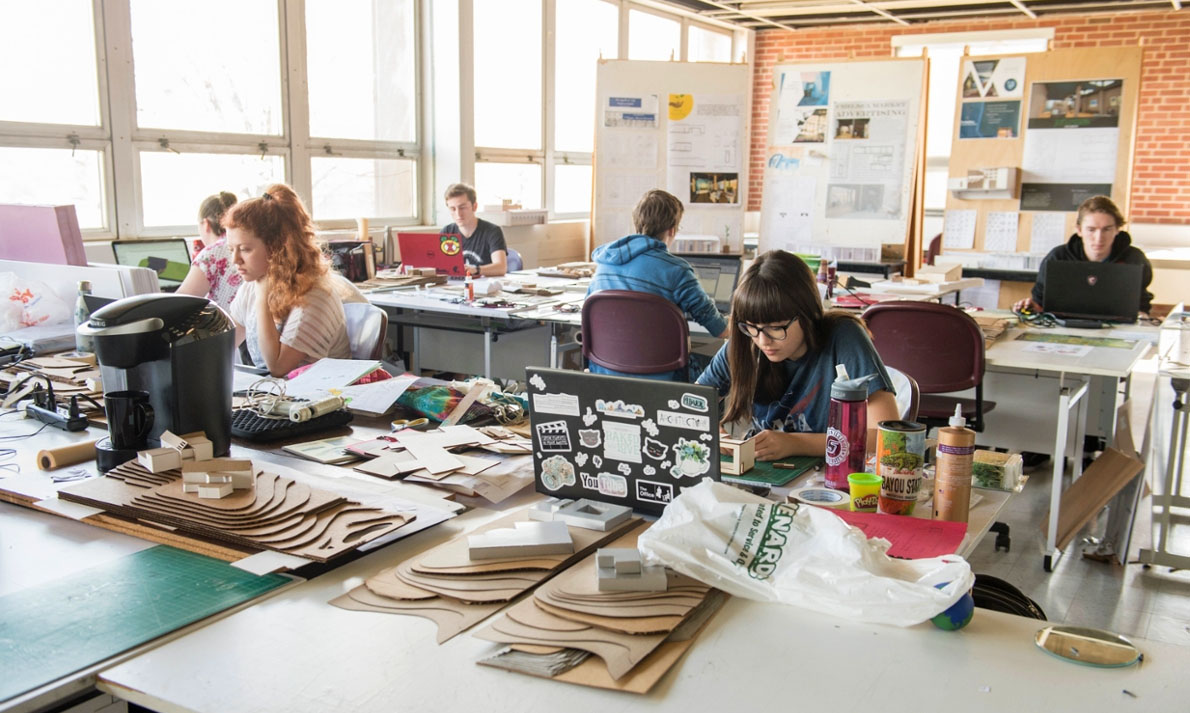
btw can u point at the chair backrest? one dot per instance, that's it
(908, 395)
(938, 345)
(367, 328)
(634, 332)
(934, 250)
(515, 262)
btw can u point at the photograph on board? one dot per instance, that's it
(714, 187)
(1089, 104)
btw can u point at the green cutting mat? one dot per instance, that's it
(50, 631)
(763, 472)
(1113, 342)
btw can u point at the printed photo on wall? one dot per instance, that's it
(714, 187)
(1087, 104)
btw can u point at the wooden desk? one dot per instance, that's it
(296, 653)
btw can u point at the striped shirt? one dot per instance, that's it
(317, 327)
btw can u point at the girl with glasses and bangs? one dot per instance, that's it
(779, 361)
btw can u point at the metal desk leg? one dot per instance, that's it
(1066, 401)
(414, 363)
(487, 353)
(1171, 495)
(553, 345)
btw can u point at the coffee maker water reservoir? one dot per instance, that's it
(179, 349)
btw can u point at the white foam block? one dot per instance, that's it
(215, 491)
(544, 510)
(624, 560)
(524, 539)
(158, 460)
(593, 515)
(650, 579)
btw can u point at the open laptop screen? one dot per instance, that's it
(444, 253)
(1092, 290)
(169, 258)
(718, 275)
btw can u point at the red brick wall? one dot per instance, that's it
(1161, 164)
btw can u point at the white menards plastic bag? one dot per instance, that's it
(800, 555)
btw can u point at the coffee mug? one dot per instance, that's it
(129, 418)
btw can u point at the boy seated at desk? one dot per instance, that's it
(643, 263)
(484, 249)
(1097, 238)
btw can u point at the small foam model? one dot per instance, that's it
(544, 510)
(621, 570)
(593, 515)
(523, 539)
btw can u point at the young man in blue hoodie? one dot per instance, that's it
(643, 263)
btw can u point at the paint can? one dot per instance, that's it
(900, 453)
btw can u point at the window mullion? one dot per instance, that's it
(121, 103)
(294, 97)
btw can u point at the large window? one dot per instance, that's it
(144, 109)
(707, 45)
(652, 36)
(946, 54)
(47, 63)
(187, 76)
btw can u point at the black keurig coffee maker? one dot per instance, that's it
(176, 348)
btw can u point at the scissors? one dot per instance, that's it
(415, 424)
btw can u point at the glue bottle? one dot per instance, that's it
(847, 429)
(83, 344)
(952, 470)
(469, 288)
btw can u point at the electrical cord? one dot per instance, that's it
(1039, 320)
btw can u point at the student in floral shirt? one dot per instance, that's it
(213, 275)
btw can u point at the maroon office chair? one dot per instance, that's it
(939, 346)
(634, 332)
(934, 250)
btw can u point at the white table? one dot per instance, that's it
(294, 653)
(1076, 377)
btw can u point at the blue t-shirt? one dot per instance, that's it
(805, 405)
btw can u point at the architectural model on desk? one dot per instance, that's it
(448, 585)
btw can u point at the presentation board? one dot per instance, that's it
(678, 126)
(842, 155)
(1035, 135)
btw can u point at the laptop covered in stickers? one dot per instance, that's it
(635, 442)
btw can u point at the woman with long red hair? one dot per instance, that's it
(287, 309)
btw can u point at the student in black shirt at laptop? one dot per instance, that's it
(484, 249)
(1098, 239)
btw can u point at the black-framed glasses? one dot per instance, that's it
(775, 332)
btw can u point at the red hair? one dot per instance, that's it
(296, 263)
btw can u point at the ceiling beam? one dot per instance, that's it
(880, 12)
(1021, 6)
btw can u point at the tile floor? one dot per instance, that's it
(1153, 603)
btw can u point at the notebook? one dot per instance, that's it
(444, 253)
(635, 442)
(169, 258)
(1092, 290)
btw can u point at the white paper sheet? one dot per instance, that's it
(959, 230)
(1049, 231)
(377, 397)
(328, 374)
(1000, 233)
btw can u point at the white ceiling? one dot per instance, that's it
(795, 14)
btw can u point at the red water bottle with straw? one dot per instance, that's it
(847, 429)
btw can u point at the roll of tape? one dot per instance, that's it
(822, 497)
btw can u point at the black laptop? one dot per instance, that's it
(1108, 292)
(635, 442)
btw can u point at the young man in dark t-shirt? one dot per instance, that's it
(484, 249)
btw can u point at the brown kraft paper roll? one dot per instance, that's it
(52, 458)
